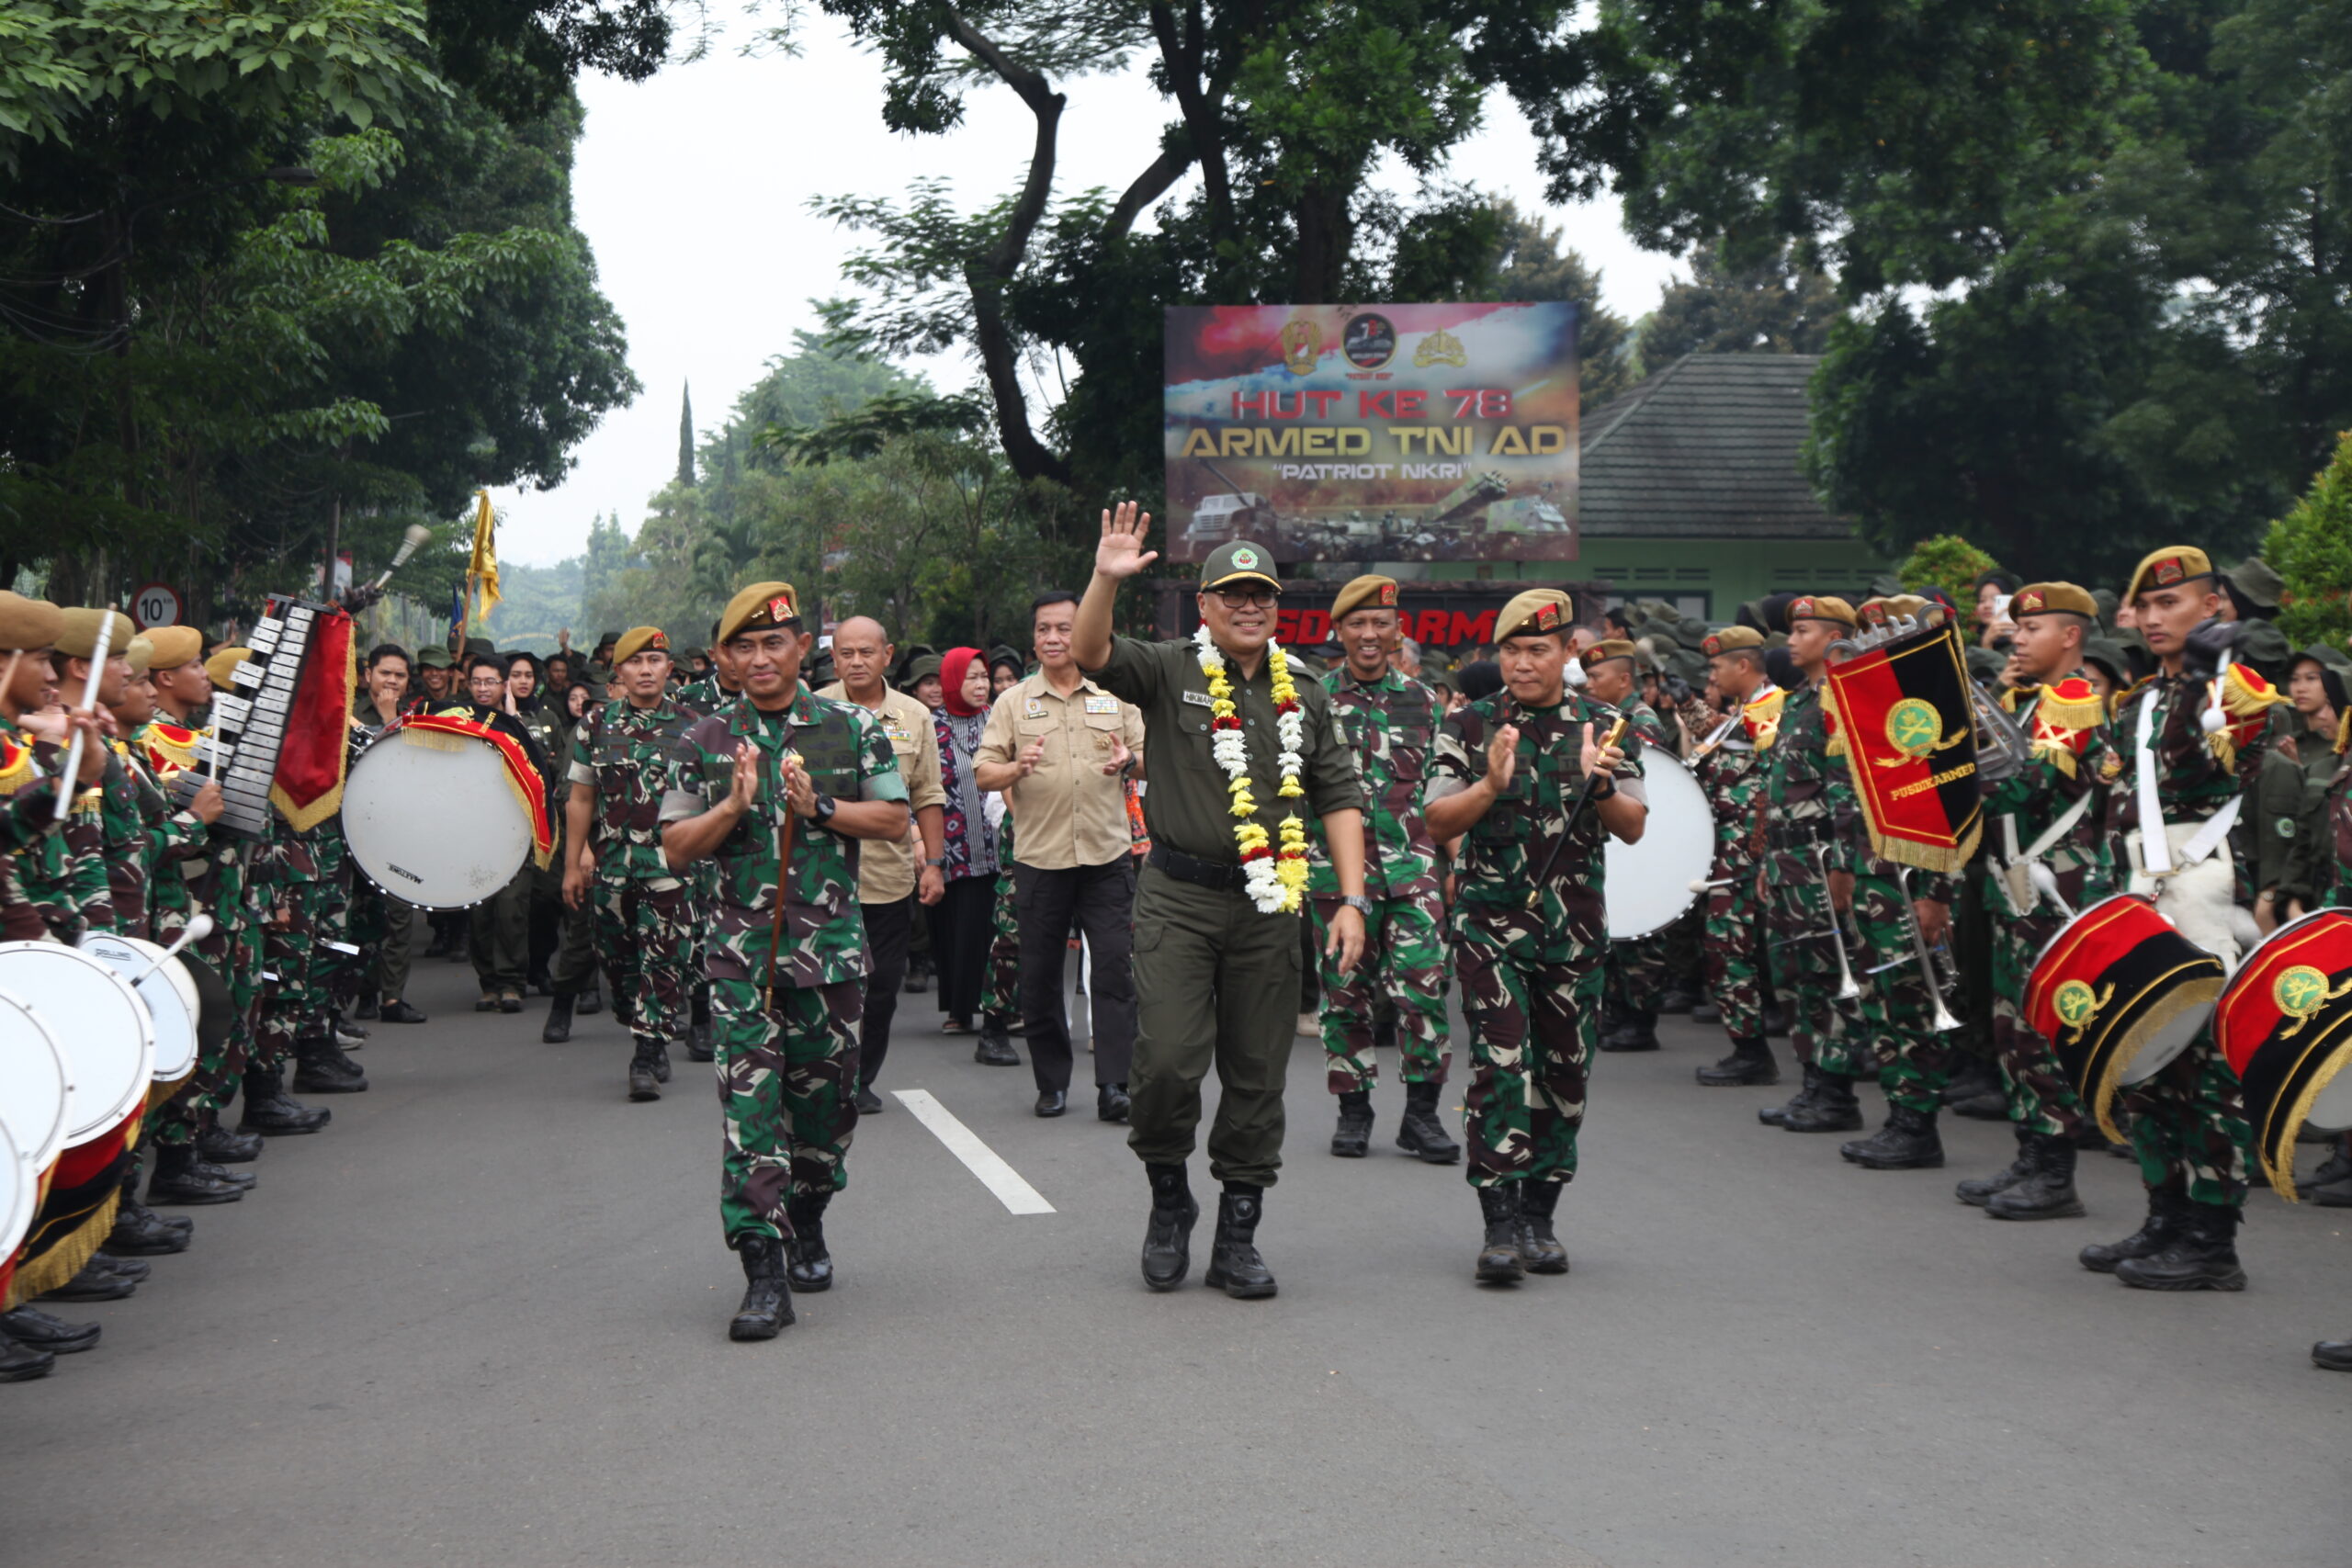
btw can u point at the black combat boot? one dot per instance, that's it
(1351, 1139)
(1638, 1033)
(1615, 1019)
(643, 1084)
(1167, 1239)
(243, 1180)
(2201, 1255)
(557, 1028)
(1679, 999)
(1750, 1061)
(809, 1266)
(590, 1002)
(1539, 1246)
(1834, 1108)
(2166, 1209)
(1499, 1259)
(1419, 1132)
(2329, 1355)
(320, 1067)
(1808, 1090)
(698, 1045)
(767, 1299)
(994, 1047)
(31, 1326)
(1977, 1188)
(1776, 1021)
(2047, 1190)
(133, 1268)
(1907, 1141)
(96, 1282)
(176, 1181)
(270, 1112)
(22, 1363)
(1235, 1267)
(139, 1232)
(661, 1061)
(221, 1147)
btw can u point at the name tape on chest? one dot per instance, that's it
(1200, 699)
(1102, 704)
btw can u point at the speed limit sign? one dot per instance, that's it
(156, 605)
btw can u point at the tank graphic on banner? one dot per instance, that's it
(1373, 432)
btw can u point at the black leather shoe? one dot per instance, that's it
(557, 1028)
(1976, 1189)
(2047, 1190)
(397, 1011)
(134, 1268)
(1750, 1061)
(1235, 1267)
(2167, 1211)
(1419, 1132)
(641, 1083)
(1111, 1103)
(994, 1047)
(219, 1145)
(1834, 1108)
(868, 1102)
(175, 1180)
(243, 1180)
(1351, 1139)
(320, 1067)
(589, 1003)
(2201, 1255)
(2334, 1355)
(767, 1299)
(510, 1000)
(807, 1265)
(139, 1232)
(22, 1363)
(1807, 1093)
(1052, 1102)
(1909, 1141)
(1539, 1246)
(1499, 1259)
(270, 1112)
(96, 1282)
(1166, 1237)
(31, 1326)
(1639, 1033)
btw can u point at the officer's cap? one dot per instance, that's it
(1370, 592)
(2052, 599)
(2168, 567)
(1820, 607)
(1534, 613)
(1240, 561)
(1731, 640)
(763, 606)
(1601, 652)
(636, 640)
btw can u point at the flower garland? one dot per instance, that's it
(1276, 881)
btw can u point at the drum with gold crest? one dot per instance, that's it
(441, 812)
(2284, 1024)
(2119, 993)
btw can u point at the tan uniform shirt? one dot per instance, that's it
(885, 870)
(1067, 812)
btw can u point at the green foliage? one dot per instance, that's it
(1775, 305)
(2310, 547)
(1949, 562)
(1529, 263)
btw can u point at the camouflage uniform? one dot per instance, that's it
(286, 876)
(63, 875)
(1530, 979)
(1001, 997)
(1731, 772)
(1638, 970)
(1810, 807)
(644, 911)
(27, 818)
(1391, 723)
(787, 1021)
(143, 834)
(1913, 1061)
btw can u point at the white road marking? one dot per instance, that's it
(978, 1158)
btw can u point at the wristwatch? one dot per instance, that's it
(941, 863)
(825, 804)
(1358, 902)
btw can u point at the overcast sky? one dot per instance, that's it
(692, 188)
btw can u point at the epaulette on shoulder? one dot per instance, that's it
(2071, 703)
(2244, 691)
(17, 768)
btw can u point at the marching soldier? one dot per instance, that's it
(2191, 739)
(1391, 719)
(779, 789)
(1240, 754)
(1634, 973)
(2045, 821)
(1530, 927)
(618, 770)
(1728, 760)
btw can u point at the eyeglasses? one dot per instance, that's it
(1261, 598)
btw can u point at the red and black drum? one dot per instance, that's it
(2119, 993)
(2284, 1024)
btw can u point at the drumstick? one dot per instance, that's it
(89, 701)
(1711, 886)
(197, 929)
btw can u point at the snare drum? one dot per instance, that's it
(169, 991)
(100, 1026)
(434, 814)
(1647, 884)
(2284, 1024)
(2119, 993)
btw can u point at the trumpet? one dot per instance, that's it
(1938, 978)
(1848, 990)
(2002, 747)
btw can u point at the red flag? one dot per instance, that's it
(308, 786)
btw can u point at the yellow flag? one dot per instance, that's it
(483, 569)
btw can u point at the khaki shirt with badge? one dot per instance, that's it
(1069, 811)
(886, 871)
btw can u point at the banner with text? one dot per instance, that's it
(1373, 432)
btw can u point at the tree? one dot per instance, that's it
(1529, 263)
(1946, 562)
(2310, 547)
(686, 436)
(1777, 306)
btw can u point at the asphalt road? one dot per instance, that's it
(481, 1320)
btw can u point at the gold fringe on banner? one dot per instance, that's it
(64, 1261)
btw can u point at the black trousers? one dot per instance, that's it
(961, 926)
(888, 927)
(1101, 901)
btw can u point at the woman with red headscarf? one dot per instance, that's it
(961, 923)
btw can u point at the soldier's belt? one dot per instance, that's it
(1219, 874)
(1800, 835)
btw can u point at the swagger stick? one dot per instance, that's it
(1576, 813)
(89, 703)
(783, 874)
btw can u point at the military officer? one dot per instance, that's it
(779, 789)
(1530, 929)
(1240, 754)
(1390, 718)
(1727, 758)
(1634, 975)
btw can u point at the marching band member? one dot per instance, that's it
(1727, 755)
(1635, 973)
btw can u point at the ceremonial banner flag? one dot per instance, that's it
(1903, 712)
(308, 785)
(2284, 1024)
(482, 570)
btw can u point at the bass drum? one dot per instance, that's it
(174, 1005)
(19, 1195)
(99, 1025)
(2120, 993)
(1647, 884)
(32, 1086)
(433, 818)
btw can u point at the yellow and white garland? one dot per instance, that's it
(1276, 881)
